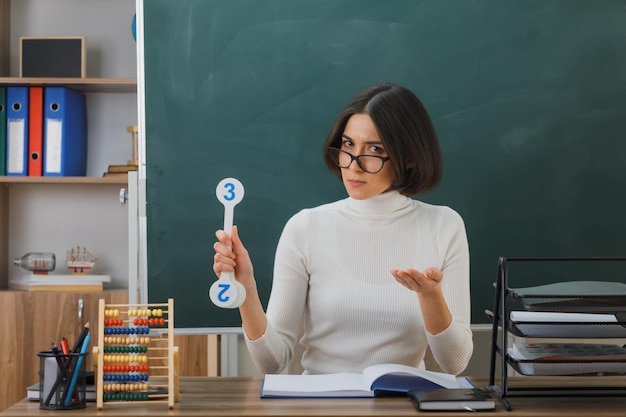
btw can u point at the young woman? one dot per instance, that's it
(374, 278)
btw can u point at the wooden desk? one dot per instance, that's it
(214, 396)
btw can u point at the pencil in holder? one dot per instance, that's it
(62, 380)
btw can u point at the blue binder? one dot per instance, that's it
(17, 131)
(65, 132)
(3, 130)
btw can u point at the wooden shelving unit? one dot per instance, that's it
(64, 180)
(88, 85)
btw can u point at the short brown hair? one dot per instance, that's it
(407, 133)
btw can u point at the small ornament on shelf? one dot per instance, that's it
(133, 130)
(79, 259)
(37, 262)
(131, 164)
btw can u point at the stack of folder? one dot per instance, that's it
(63, 283)
(120, 170)
(43, 131)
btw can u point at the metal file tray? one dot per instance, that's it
(534, 368)
(571, 309)
(572, 296)
(567, 325)
(567, 358)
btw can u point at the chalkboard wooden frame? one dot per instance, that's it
(527, 98)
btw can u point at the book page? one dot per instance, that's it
(280, 384)
(374, 372)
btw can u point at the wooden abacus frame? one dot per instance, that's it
(171, 358)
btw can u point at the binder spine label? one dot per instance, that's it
(16, 146)
(54, 127)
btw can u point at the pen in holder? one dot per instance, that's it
(62, 380)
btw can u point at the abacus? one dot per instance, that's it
(136, 342)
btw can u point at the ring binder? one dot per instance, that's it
(17, 131)
(65, 132)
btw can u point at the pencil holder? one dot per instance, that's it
(62, 381)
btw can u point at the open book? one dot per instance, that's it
(376, 380)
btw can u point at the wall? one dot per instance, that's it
(106, 26)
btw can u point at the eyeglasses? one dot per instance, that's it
(368, 163)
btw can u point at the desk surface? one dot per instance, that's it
(214, 396)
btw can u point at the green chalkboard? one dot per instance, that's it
(528, 97)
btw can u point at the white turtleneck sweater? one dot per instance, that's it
(332, 276)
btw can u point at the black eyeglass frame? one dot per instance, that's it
(356, 158)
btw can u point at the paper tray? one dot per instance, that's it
(567, 325)
(575, 331)
(572, 296)
(545, 368)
